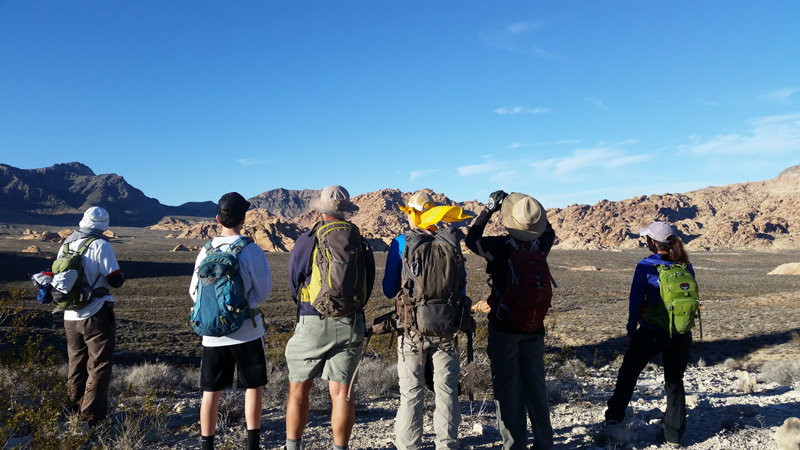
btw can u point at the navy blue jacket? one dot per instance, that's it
(646, 291)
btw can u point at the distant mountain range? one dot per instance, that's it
(756, 214)
(59, 194)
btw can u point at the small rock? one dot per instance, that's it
(788, 435)
(179, 407)
(579, 431)
(31, 249)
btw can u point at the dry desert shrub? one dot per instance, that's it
(732, 364)
(785, 373)
(147, 378)
(137, 421)
(276, 391)
(191, 379)
(376, 378)
(231, 409)
(747, 382)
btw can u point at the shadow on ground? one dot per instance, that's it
(712, 352)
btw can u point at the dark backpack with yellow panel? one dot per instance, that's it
(338, 285)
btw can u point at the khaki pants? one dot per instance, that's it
(411, 374)
(90, 347)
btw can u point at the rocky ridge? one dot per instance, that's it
(757, 215)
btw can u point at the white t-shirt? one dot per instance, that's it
(257, 279)
(99, 261)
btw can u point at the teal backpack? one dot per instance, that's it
(681, 299)
(221, 305)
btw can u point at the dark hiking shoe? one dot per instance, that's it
(662, 440)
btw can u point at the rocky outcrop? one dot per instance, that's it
(763, 214)
(268, 231)
(284, 203)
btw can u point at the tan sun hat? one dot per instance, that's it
(523, 216)
(335, 202)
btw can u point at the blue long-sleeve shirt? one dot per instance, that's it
(645, 291)
(300, 266)
(394, 265)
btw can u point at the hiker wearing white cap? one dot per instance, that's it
(425, 359)
(329, 335)
(652, 331)
(520, 298)
(91, 329)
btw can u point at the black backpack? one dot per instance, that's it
(433, 280)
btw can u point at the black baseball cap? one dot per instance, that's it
(233, 202)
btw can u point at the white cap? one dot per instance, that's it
(421, 201)
(95, 217)
(658, 231)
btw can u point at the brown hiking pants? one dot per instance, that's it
(90, 347)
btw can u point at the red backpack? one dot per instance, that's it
(529, 288)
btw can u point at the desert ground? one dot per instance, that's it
(751, 326)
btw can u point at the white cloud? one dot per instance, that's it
(709, 103)
(518, 144)
(520, 110)
(480, 169)
(767, 135)
(515, 38)
(598, 102)
(779, 95)
(606, 158)
(252, 161)
(420, 173)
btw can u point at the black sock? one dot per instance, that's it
(207, 442)
(254, 439)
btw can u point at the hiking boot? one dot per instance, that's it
(662, 440)
(610, 422)
(606, 434)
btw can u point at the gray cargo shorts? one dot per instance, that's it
(314, 352)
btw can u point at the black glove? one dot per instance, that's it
(494, 202)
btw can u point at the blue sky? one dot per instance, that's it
(569, 101)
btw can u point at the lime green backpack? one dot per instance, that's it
(681, 299)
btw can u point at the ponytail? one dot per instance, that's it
(675, 251)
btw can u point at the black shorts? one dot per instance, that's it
(218, 363)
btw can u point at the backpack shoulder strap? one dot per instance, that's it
(238, 245)
(85, 245)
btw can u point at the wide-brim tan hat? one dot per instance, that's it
(335, 202)
(523, 216)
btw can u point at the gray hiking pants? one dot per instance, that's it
(517, 362)
(447, 414)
